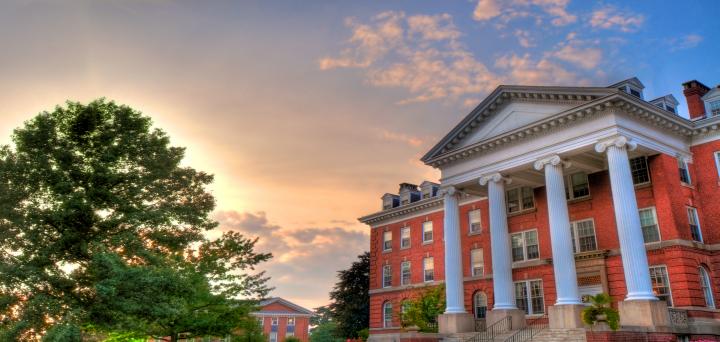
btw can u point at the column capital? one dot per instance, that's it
(494, 177)
(620, 141)
(449, 191)
(550, 160)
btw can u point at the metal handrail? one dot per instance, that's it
(531, 329)
(493, 330)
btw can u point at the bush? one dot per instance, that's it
(424, 310)
(601, 306)
(292, 339)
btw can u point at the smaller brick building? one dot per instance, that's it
(281, 319)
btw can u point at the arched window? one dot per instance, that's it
(387, 315)
(707, 289)
(480, 304)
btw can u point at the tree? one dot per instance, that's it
(350, 298)
(322, 315)
(102, 229)
(250, 331)
(326, 332)
(423, 311)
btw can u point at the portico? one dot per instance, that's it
(599, 137)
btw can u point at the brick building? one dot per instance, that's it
(281, 319)
(550, 194)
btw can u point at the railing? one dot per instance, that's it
(493, 330)
(531, 329)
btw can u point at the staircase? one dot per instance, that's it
(561, 335)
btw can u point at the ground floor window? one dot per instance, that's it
(529, 296)
(707, 289)
(387, 315)
(661, 283)
(273, 336)
(480, 304)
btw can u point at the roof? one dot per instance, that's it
(299, 309)
(669, 98)
(633, 81)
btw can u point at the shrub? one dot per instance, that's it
(601, 306)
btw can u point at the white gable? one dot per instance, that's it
(514, 115)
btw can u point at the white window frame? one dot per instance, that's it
(480, 301)
(405, 266)
(477, 223)
(387, 318)
(717, 163)
(291, 321)
(386, 275)
(274, 321)
(684, 167)
(647, 170)
(693, 211)
(273, 336)
(525, 245)
(576, 236)
(709, 106)
(404, 238)
(387, 243)
(657, 224)
(521, 204)
(706, 285)
(528, 291)
(425, 269)
(474, 265)
(667, 279)
(569, 186)
(425, 231)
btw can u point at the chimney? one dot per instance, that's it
(694, 91)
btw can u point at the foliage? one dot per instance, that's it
(250, 331)
(326, 332)
(600, 305)
(364, 334)
(101, 226)
(350, 297)
(292, 339)
(322, 316)
(423, 310)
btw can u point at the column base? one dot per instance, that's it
(517, 317)
(567, 316)
(650, 314)
(451, 323)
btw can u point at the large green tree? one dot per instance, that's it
(350, 306)
(102, 228)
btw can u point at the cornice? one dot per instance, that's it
(402, 210)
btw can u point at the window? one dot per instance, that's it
(577, 186)
(480, 304)
(261, 321)
(274, 321)
(387, 315)
(289, 334)
(525, 245)
(583, 234)
(387, 241)
(660, 283)
(273, 336)
(290, 327)
(529, 297)
(639, 170)
(694, 224)
(707, 289)
(648, 222)
(477, 266)
(670, 108)
(291, 321)
(717, 162)
(635, 92)
(387, 276)
(429, 269)
(404, 307)
(427, 231)
(520, 199)
(405, 237)
(684, 171)
(714, 108)
(405, 273)
(474, 219)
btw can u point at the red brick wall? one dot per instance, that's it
(301, 323)
(669, 197)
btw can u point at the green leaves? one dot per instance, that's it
(350, 307)
(101, 226)
(423, 310)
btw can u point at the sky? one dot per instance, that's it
(307, 112)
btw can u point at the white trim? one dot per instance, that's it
(432, 232)
(569, 186)
(528, 290)
(716, 154)
(669, 285)
(409, 237)
(525, 247)
(576, 236)
(482, 259)
(706, 281)
(386, 272)
(657, 223)
(409, 268)
(385, 241)
(697, 221)
(425, 280)
(470, 222)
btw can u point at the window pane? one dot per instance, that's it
(694, 225)
(706, 287)
(660, 283)
(586, 235)
(517, 247)
(476, 262)
(405, 270)
(427, 231)
(480, 300)
(580, 186)
(387, 276)
(513, 200)
(387, 240)
(639, 170)
(533, 252)
(387, 315)
(521, 297)
(527, 198)
(474, 219)
(428, 267)
(684, 173)
(536, 294)
(405, 237)
(649, 225)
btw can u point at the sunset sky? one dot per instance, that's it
(308, 111)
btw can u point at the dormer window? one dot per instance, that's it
(635, 92)
(714, 107)
(669, 109)
(632, 86)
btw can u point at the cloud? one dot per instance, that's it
(305, 260)
(524, 70)
(554, 10)
(420, 53)
(685, 42)
(610, 18)
(401, 137)
(575, 52)
(523, 37)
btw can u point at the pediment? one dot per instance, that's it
(712, 94)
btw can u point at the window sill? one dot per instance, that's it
(579, 199)
(427, 242)
(643, 185)
(687, 185)
(474, 233)
(386, 251)
(522, 212)
(404, 248)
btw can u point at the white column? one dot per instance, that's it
(627, 219)
(560, 236)
(503, 289)
(453, 260)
